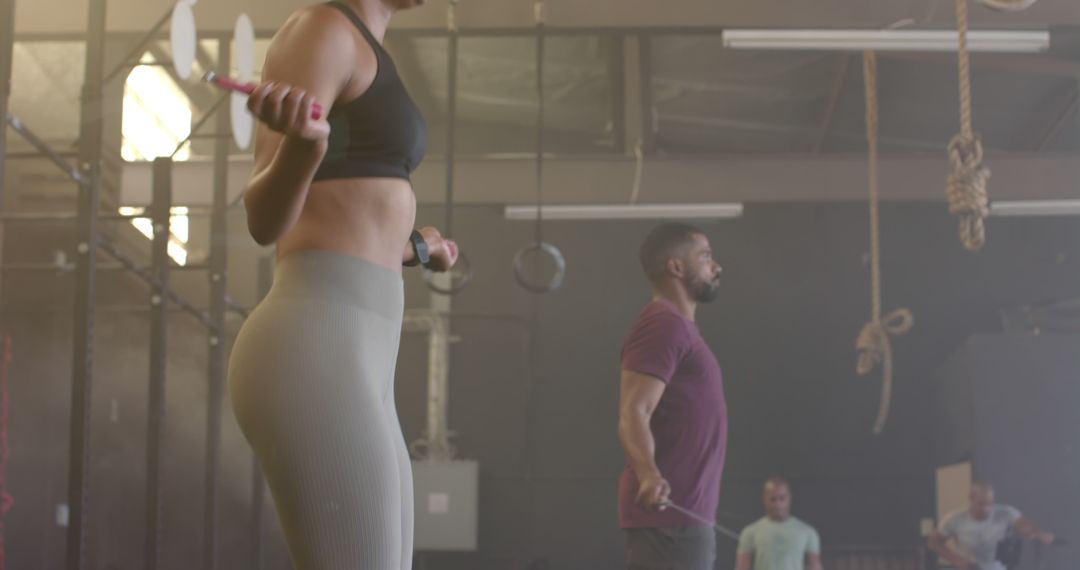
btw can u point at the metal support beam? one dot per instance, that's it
(682, 179)
(36, 217)
(91, 136)
(150, 280)
(132, 57)
(645, 75)
(237, 308)
(199, 125)
(155, 430)
(834, 98)
(258, 492)
(257, 500)
(627, 93)
(217, 17)
(45, 150)
(63, 269)
(215, 394)
(451, 128)
(1060, 120)
(7, 48)
(435, 444)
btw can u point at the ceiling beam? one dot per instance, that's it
(706, 178)
(47, 16)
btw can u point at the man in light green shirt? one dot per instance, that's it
(778, 541)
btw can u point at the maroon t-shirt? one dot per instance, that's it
(689, 424)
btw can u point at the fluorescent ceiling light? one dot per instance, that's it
(627, 212)
(1002, 41)
(1036, 208)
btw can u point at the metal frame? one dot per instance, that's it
(435, 32)
(155, 430)
(617, 74)
(91, 135)
(463, 265)
(645, 71)
(215, 394)
(44, 149)
(87, 178)
(7, 52)
(7, 45)
(140, 45)
(258, 492)
(434, 444)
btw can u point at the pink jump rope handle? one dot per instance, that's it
(247, 88)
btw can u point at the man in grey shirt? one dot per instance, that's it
(778, 541)
(978, 529)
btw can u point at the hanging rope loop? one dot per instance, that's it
(539, 246)
(873, 344)
(876, 348)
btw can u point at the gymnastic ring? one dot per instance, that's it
(556, 256)
(465, 270)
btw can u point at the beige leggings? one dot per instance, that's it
(311, 378)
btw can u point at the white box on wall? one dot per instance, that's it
(446, 504)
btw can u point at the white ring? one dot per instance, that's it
(244, 47)
(183, 38)
(240, 118)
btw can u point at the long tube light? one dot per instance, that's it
(1035, 208)
(1000, 41)
(627, 212)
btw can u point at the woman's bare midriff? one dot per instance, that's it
(369, 218)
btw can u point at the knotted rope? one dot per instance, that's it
(966, 189)
(873, 343)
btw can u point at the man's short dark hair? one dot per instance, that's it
(663, 243)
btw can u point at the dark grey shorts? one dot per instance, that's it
(685, 548)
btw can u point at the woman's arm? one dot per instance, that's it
(312, 58)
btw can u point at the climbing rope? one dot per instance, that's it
(873, 343)
(966, 189)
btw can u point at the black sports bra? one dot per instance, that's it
(381, 133)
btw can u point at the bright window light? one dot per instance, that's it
(178, 226)
(157, 114)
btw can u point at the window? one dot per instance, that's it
(157, 114)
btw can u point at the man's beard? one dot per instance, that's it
(702, 290)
